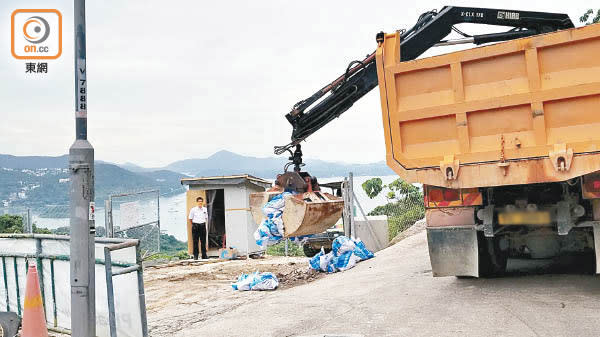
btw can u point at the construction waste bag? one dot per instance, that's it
(270, 230)
(345, 253)
(256, 281)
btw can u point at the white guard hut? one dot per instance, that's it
(230, 222)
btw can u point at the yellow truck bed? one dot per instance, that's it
(517, 112)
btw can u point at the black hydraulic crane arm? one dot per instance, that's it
(431, 28)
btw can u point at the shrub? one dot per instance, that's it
(405, 203)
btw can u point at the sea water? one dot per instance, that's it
(173, 209)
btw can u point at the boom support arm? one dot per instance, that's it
(431, 27)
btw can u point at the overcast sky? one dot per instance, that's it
(171, 80)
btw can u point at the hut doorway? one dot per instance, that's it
(216, 218)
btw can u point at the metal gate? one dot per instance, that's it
(135, 215)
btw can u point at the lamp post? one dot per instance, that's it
(82, 207)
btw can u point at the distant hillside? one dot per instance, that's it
(33, 162)
(41, 186)
(226, 163)
(37, 162)
(111, 179)
(165, 177)
(136, 168)
(220, 163)
(32, 181)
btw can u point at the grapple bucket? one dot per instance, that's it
(311, 214)
(304, 214)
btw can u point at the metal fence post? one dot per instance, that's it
(17, 286)
(158, 216)
(138, 268)
(110, 294)
(106, 216)
(346, 213)
(5, 283)
(142, 293)
(40, 269)
(54, 311)
(351, 202)
(110, 229)
(29, 222)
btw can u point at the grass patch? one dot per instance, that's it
(279, 249)
(178, 255)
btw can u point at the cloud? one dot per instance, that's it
(174, 80)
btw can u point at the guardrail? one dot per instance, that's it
(49, 301)
(109, 284)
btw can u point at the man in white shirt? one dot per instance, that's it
(197, 219)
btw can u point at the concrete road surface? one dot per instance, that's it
(394, 294)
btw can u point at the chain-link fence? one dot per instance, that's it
(135, 215)
(48, 219)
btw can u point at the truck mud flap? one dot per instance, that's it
(453, 251)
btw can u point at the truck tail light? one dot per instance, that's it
(435, 195)
(450, 197)
(591, 186)
(439, 194)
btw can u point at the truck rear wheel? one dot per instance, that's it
(492, 260)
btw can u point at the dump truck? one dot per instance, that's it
(503, 137)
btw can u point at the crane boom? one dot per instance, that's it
(431, 28)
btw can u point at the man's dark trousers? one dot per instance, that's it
(199, 232)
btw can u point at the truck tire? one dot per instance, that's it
(309, 251)
(492, 260)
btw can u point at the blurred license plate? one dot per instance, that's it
(524, 218)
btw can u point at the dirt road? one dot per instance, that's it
(394, 294)
(180, 296)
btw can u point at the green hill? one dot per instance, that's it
(40, 187)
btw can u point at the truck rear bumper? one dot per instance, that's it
(453, 251)
(450, 217)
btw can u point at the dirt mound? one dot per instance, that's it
(297, 277)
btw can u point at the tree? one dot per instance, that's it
(11, 224)
(589, 17)
(62, 230)
(14, 224)
(170, 244)
(41, 230)
(405, 203)
(372, 187)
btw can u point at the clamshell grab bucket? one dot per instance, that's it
(304, 214)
